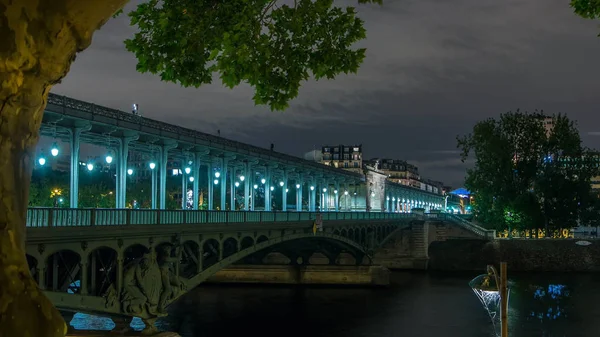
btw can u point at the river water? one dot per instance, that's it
(415, 305)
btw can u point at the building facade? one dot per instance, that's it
(342, 156)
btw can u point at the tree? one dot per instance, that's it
(527, 176)
(271, 46)
(588, 9)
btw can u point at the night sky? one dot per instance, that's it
(433, 69)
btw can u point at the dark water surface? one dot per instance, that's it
(416, 305)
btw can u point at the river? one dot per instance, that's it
(415, 305)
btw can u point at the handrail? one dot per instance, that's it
(77, 217)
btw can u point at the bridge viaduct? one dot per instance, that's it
(128, 263)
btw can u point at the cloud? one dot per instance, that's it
(433, 69)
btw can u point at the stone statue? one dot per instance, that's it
(171, 284)
(142, 286)
(377, 164)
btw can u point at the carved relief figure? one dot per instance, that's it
(171, 284)
(142, 286)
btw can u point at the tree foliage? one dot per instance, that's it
(526, 176)
(587, 9)
(268, 44)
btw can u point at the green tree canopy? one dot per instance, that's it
(268, 44)
(528, 174)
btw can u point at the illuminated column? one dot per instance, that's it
(312, 197)
(74, 142)
(267, 188)
(284, 191)
(196, 182)
(223, 183)
(211, 185)
(247, 181)
(299, 186)
(232, 189)
(162, 178)
(123, 153)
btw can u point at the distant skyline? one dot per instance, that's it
(433, 69)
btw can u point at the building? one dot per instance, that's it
(398, 171)
(342, 156)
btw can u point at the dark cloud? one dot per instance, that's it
(433, 69)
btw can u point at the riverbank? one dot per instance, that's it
(526, 255)
(307, 275)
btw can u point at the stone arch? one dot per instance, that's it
(230, 247)
(262, 239)
(336, 231)
(246, 242)
(344, 233)
(134, 252)
(350, 234)
(210, 253)
(63, 272)
(190, 254)
(101, 270)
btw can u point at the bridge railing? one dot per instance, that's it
(486, 233)
(75, 217)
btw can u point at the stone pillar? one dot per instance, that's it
(119, 285)
(83, 283)
(211, 185)
(154, 188)
(75, 135)
(196, 183)
(162, 178)
(324, 201)
(184, 178)
(267, 188)
(250, 180)
(336, 196)
(123, 153)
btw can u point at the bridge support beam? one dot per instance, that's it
(164, 159)
(232, 189)
(123, 153)
(267, 188)
(211, 186)
(184, 180)
(247, 181)
(312, 198)
(336, 197)
(223, 183)
(284, 191)
(75, 135)
(196, 183)
(251, 181)
(299, 186)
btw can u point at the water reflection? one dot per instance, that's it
(417, 304)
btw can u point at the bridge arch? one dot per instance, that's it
(190, 258)
(230, 247)
(212, 269)
(63, 271)
(101, 264)
(246, 242)
(211, 250)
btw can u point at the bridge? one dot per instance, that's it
(128, 263)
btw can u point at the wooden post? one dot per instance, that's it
(503, 300)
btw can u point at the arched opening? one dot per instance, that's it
(33, 267)
(351, 234)
(345, 259)
(133, 253)
(261, 238)
(190, 254)
(247, 242)
(230, 247)
(363, 237)
(210, 253)
(101, 271)
(344, 233)
(336, 232)
(63, 272)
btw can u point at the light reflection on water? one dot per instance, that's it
(417, 304)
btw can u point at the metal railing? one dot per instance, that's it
(77, 217)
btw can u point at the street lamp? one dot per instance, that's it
(191, 179)
(345, 192)
(324, 190)
(109, 157)
(152, 165)
(42, 161)
(255, 186)
(297, 185)
(188, 170)
(129, 171)
(54, 150)
(272, 188)
(286, 190)
(242, 178)
(312, 188)
(217, 174)
(237, 184)
(263, 181)
(334, 191)
(281, 183)
(216, 181)
(90, 166)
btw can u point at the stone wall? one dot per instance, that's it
(520, 254)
